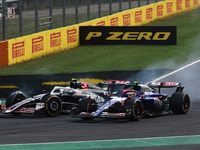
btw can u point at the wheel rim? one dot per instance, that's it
(186, 104)
(54, 106)
(138, 111)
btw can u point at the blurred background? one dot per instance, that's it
(24, 17)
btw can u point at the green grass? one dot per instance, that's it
(122, 57)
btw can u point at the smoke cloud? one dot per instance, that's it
(189, 76)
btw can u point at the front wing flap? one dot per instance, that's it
(21, 108)
(102, 115)
(101, 112)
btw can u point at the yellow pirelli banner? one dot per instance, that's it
(170, 7)
(195, 4)
(88, 23)
(19, 50)
(38, 45)
(52, 41)
(69, 37)
(101, 22)
(127, 18)
(42, 43)
(148, 12)
(115, 20)
(160, 8)
(138, 16)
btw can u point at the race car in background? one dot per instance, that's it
(134, 101)
(60, 99)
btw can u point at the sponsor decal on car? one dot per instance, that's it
(118, 81)
(39, 106)
(84, 85)
(113, 114)
(116, 114)
(17, 105)
(158, 103)
(85, 114)
(171, 83)
(26, 110)
(165, 83)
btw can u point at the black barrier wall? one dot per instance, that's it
(34, 83)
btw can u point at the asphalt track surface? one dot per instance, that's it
(26, 129)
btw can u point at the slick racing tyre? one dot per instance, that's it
(87, 105)
(53, 105)
(14, 98)
(133, 108)
(180, 103)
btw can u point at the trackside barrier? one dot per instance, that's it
(52, 41)
(4, 53)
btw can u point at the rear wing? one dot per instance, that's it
(116, 85)
(117, 81)
(75, 84)
(160, 85)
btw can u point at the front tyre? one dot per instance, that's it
(87, 105)
(14, 98)
(180, 103)
(133, 109)
(53, 105)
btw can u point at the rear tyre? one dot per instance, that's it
(14, 98)
(87, 105)
(133, 108)
(53, 105)
(180, 103)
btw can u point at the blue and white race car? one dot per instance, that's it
(134, 101)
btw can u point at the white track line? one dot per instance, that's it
(176, 71)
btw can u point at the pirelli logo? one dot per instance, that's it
(159, 10)
(138, 16)
(71, 36)
(149, 35)
(169, 7)
(102, 23)
(37, 44)
(114, 21)
(127, 19)
(187, 3)
(55, 39)
(149, 13)
(18, 49)
(178, 4)
(195, 2)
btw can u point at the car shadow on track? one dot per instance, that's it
(115, 120)
(21, 116)
(78, 120)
